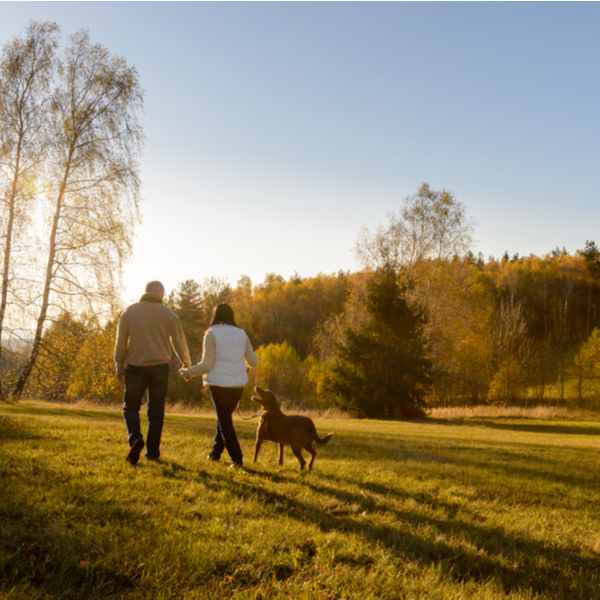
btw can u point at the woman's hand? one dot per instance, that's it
(183, 373)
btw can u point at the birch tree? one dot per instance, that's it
(431, 227)
(26, 70)
(91, 184)
(513, 349)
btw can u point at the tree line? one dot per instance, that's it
(516, 330)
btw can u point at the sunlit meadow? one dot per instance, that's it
(469, 505)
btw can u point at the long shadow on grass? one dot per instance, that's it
(395, 447)
(517, 563)
(26, 409)
(527, 468)
(521, 425)
(525, 461)
(552, 429)
(48, 517)
(522, 462)
(12, 429)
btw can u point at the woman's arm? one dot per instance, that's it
(208, 358)
(250, 356)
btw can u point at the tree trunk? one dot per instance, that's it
(39, 330)
(7, 251)
(5, 274)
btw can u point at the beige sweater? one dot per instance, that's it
(145, 333)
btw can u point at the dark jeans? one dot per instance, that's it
(155, 379)
(225, 401)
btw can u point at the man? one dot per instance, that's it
(142, 353)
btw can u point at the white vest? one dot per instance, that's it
(229, 369)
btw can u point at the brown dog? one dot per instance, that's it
(294, 430)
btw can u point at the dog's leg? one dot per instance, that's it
(256, 449)
(308, 447)
(298, 452)
(280, 454)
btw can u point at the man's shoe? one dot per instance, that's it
(134, 452)
(213, 458)
(153, 459)
(235, 465)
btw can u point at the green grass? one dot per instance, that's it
(465, 507)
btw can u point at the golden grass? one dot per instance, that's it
(452, 507)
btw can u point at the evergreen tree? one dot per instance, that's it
(188, 303)
(381, 370)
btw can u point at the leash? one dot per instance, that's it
(248, 418)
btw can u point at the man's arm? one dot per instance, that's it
(179, 342)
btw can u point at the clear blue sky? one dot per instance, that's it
(276, 130)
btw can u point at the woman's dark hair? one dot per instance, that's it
(222, 315)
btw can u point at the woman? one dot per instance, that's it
(226, 355)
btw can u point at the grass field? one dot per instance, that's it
(472, 506)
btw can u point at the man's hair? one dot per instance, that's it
(155, 287)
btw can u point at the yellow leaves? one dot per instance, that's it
(508, 381)
(278, 366)
(586, 365)
(92, 376)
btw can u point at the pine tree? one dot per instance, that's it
(382, 370)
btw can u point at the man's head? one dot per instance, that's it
(155, 287)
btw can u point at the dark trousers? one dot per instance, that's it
(225, 401)
(155, 380)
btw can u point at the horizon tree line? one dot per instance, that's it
(520, 330)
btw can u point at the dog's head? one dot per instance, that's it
(265, 398)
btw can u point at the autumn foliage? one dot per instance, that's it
(515, 330)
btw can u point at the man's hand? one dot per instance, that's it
(120, 375)
(183, 374)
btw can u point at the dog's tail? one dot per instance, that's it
(316, 438)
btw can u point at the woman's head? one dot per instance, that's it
(223, 315)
